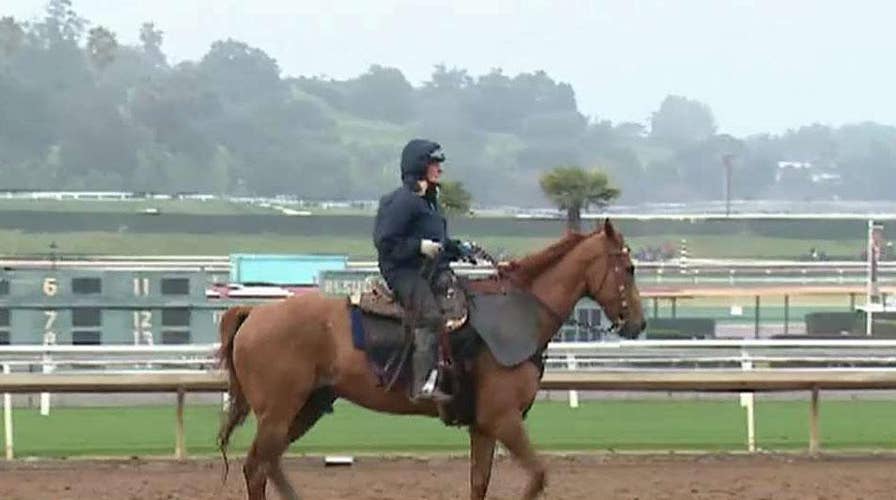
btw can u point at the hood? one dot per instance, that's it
(416, 155)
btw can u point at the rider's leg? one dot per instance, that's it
(426, 341)
(417, 297)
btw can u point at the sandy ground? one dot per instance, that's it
(645, 477)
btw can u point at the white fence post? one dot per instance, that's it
(7, 418)
(573, 394)
(49, 339)
(45, 396)
(747, 400)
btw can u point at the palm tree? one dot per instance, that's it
(574, 189)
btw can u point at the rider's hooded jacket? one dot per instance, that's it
(405, 216)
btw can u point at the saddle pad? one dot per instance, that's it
(508, 323)
(383, 340)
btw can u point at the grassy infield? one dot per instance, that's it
(19, 242)
(637, 425)
(620, 425)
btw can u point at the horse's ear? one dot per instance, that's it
(609, 230)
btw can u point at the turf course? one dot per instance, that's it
(116, 227)
(15, 242)
(629, 425)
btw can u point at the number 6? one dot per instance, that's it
(50, 287)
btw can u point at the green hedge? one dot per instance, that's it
(680, 328)
(353, 225)
(852, 324)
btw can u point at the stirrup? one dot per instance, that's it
(430, 385)
(430, 391)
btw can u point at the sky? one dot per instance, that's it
(761, 65)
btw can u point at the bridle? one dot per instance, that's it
(617, 272)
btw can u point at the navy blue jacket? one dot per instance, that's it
(402, 220)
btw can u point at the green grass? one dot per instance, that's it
(609, 425)
(123, 243)
(108, 242)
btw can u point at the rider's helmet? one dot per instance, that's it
(416, 156)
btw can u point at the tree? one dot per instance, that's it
(240, 73)
(454, 198)
(61, 24)
(381, 94)
(450, 80)
(151, 40)
(681, 121)
(101, 46)
(574, 189)
(11, 36)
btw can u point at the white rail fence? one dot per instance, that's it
(744, 366)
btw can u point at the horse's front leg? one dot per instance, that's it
(482, 452)
(510, 431)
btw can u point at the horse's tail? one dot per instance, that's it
(238, 405)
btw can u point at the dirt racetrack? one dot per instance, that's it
(571, 477)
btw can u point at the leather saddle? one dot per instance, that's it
(379, 300)
(505, 322)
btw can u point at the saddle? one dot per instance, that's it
(378, 300)
(503, 322)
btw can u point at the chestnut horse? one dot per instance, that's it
(288, 360)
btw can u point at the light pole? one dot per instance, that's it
(727, 160)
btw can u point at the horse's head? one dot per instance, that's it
(610, 281)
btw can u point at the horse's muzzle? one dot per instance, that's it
(632, 329)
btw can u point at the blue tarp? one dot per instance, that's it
(296, 269)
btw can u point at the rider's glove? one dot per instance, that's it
(460, 250)
(430, 248)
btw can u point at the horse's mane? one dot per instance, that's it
(530, 266)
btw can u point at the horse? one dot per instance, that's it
(288, 360)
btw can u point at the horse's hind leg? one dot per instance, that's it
(255, 474)
(509, 430)
(263, 461)
(482, 452)
(277, 427)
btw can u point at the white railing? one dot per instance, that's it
(622, 355)
(723, 354)
(673, 266)
(744, 366)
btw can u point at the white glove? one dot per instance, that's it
(430, 248)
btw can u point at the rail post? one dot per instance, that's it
(573, 394)
(747, 400)
(814, 439)
(786, 314)
(7, 419)
(756, 318)
(180, 451)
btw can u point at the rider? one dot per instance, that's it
(409, 229)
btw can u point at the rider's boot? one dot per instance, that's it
(425, 375)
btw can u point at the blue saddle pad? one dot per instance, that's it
(358, 329)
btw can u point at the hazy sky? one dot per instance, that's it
(762, 65)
